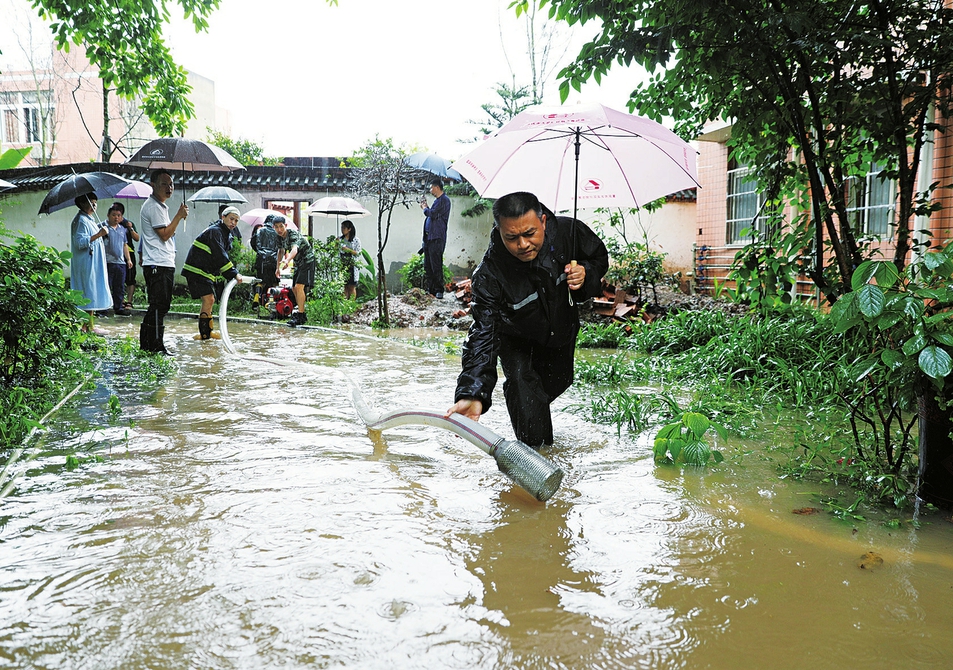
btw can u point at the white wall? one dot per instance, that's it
(670, 230)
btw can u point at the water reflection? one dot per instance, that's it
(525, 565)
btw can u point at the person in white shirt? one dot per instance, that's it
(158, 258)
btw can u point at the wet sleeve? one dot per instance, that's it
(220, 260)
(482, 345)
(592, 254)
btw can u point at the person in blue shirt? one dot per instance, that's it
(435, 243)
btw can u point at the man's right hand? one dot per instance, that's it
(468, 407)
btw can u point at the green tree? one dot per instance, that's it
(380, 172)
(123, 38)
(512, 101)
(244, 151)
(817, 91)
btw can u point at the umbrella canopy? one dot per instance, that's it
(256, 217)
(582, 156)
(137, 190)
(337, 206)
(103, 184)
(217, 194)
(178, 153)
(6, 186)
(433, 164)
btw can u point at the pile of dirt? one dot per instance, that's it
(417, 308)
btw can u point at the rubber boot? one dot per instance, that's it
(160, 343)
(205, 326)
(302, 318)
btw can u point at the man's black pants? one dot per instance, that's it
(433, 265)
(535, 376)
(159, 282)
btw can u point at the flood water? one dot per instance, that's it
(248, 520)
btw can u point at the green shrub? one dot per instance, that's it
(412, 274)
(40, 337)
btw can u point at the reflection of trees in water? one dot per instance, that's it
(524, 565)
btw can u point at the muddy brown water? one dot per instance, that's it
(248, 520)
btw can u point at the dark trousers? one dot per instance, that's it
(535, 376)
(433, 265)
(159, 282)
(116, 273)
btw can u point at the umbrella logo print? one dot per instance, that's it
(156, 152)
(592, 185)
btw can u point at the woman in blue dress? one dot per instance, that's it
(88, 264)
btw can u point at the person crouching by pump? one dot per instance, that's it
(295, 247)
(207, 260)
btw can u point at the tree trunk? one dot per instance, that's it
(936, 451)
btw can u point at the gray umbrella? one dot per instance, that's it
(217, 194)
(102, 184)
(433, 164)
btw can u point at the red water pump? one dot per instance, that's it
(281, 301)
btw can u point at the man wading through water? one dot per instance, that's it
(523, 316)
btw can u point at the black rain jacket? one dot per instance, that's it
(526, 300)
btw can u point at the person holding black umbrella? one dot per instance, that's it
(158, 258)
(522, 314)
(88, 264)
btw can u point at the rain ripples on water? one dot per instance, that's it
(246, 519)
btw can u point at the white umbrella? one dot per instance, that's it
(220, 194)
(5, 185)
(337, 206)
(581, 156)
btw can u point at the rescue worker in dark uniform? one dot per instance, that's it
(265, 241)
(207, 261)
(523, 316)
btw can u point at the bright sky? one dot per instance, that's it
(306, 79)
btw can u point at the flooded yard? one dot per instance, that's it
(247, 519)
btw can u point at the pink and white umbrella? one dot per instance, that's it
(583, 156)
(135, 190)
(256, 217)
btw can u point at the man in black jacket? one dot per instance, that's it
(207, 261)
(523, 315)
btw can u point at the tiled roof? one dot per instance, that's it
(258, 177)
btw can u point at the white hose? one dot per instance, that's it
(526, 467)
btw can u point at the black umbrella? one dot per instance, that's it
(178, 153)
(103, 184)
(217, 194)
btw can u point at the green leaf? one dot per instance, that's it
(863, 274)
(870, 300)
(914, 344)
(697, 423)
(886, 274)
(935, 362)
(943, 338)
(892, 358)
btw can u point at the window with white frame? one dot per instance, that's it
(22, 114)
(745, 205)
(871, 201)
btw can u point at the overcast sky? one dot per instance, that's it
(306, 79)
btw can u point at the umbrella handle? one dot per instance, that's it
(572, 264)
